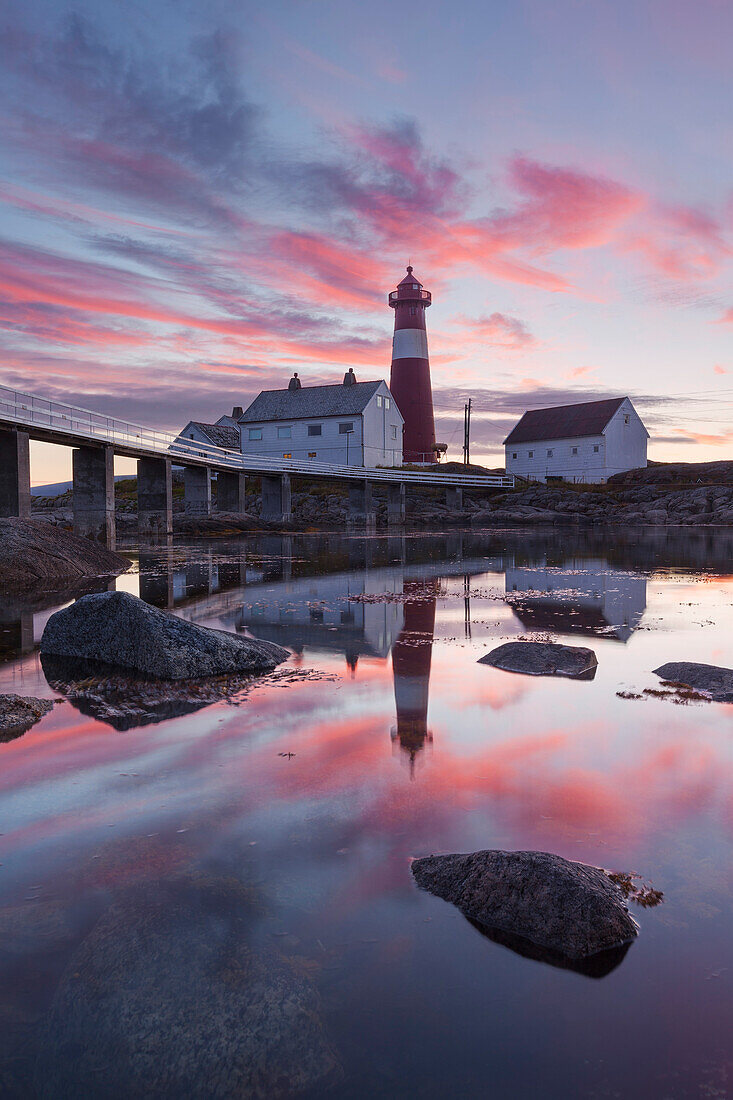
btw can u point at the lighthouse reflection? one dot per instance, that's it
(411, 657)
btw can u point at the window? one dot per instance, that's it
(514, 454)
(379, 401)
(345, 428)
(530, 454)
(284, 432)
(312, 454)
(575, 450)
(549, 452)
(386, 402)
(394, 431)
(415, 286)
(288, 455)
(596, 449)
(626, 420)
(314, 429)
(413, 310)
(255, 433)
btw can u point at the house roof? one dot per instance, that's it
(220, 435)
(310, 401)
(565, 421)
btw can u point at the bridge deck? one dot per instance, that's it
(69, 425)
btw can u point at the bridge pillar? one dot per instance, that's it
(15, 475)
(396, 502)
(154, 499)
(230, 491)
(276, 498)
(361, 506)
(197, 490)
(454, 497)
(93, 473)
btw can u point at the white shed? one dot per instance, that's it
(587, 442)
(352, 423)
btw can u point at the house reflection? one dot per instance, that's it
(582, 596)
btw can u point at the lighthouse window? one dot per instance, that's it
(413, 310)
(415, 286)
(255, 433)
(284, 432)
(344, 429)
(314, 429)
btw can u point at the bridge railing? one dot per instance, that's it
(30, 410)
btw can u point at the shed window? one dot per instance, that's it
(379, 401)
(312, 454)
(549, 452)
(387, 402)
(626, 420)
(530, 454)
(345, 428)
(394, 431)
(575, 450)
(284, 432)
(255, 433)
(314, 429)
(596, 448)
(288, 455)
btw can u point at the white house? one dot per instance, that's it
(224, 433)
(353, 423)
(585, 443)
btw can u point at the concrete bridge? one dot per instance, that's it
(96, 439)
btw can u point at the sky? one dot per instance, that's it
(197, 200)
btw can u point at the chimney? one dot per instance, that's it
(294, 383)
(237, 412)
(350, 377)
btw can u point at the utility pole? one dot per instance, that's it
(467, 433)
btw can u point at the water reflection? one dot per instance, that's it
(580, 597)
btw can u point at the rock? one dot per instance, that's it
(35, 552)
(543, 659)
(537, 903)
(710, 680)
(123, 631)
(171, 996)
(126, 700)
(19, 712)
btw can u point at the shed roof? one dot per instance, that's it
(565, 421)
(310, 401)
(221, 435)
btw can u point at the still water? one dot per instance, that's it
(221, 903)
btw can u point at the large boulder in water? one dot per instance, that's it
(36, 554)
(712, 680)
(571, 910)
(543, 659)
(124, 631)
(174, 994)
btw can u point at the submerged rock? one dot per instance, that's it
(19, 712)
(562, 912)
(711, 680)
(123, 631)
(172, 995)
(543, 659)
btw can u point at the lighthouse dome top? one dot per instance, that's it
(410, 289)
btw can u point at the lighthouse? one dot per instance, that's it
(410, 374)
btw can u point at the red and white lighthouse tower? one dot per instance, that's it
(410, 375)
